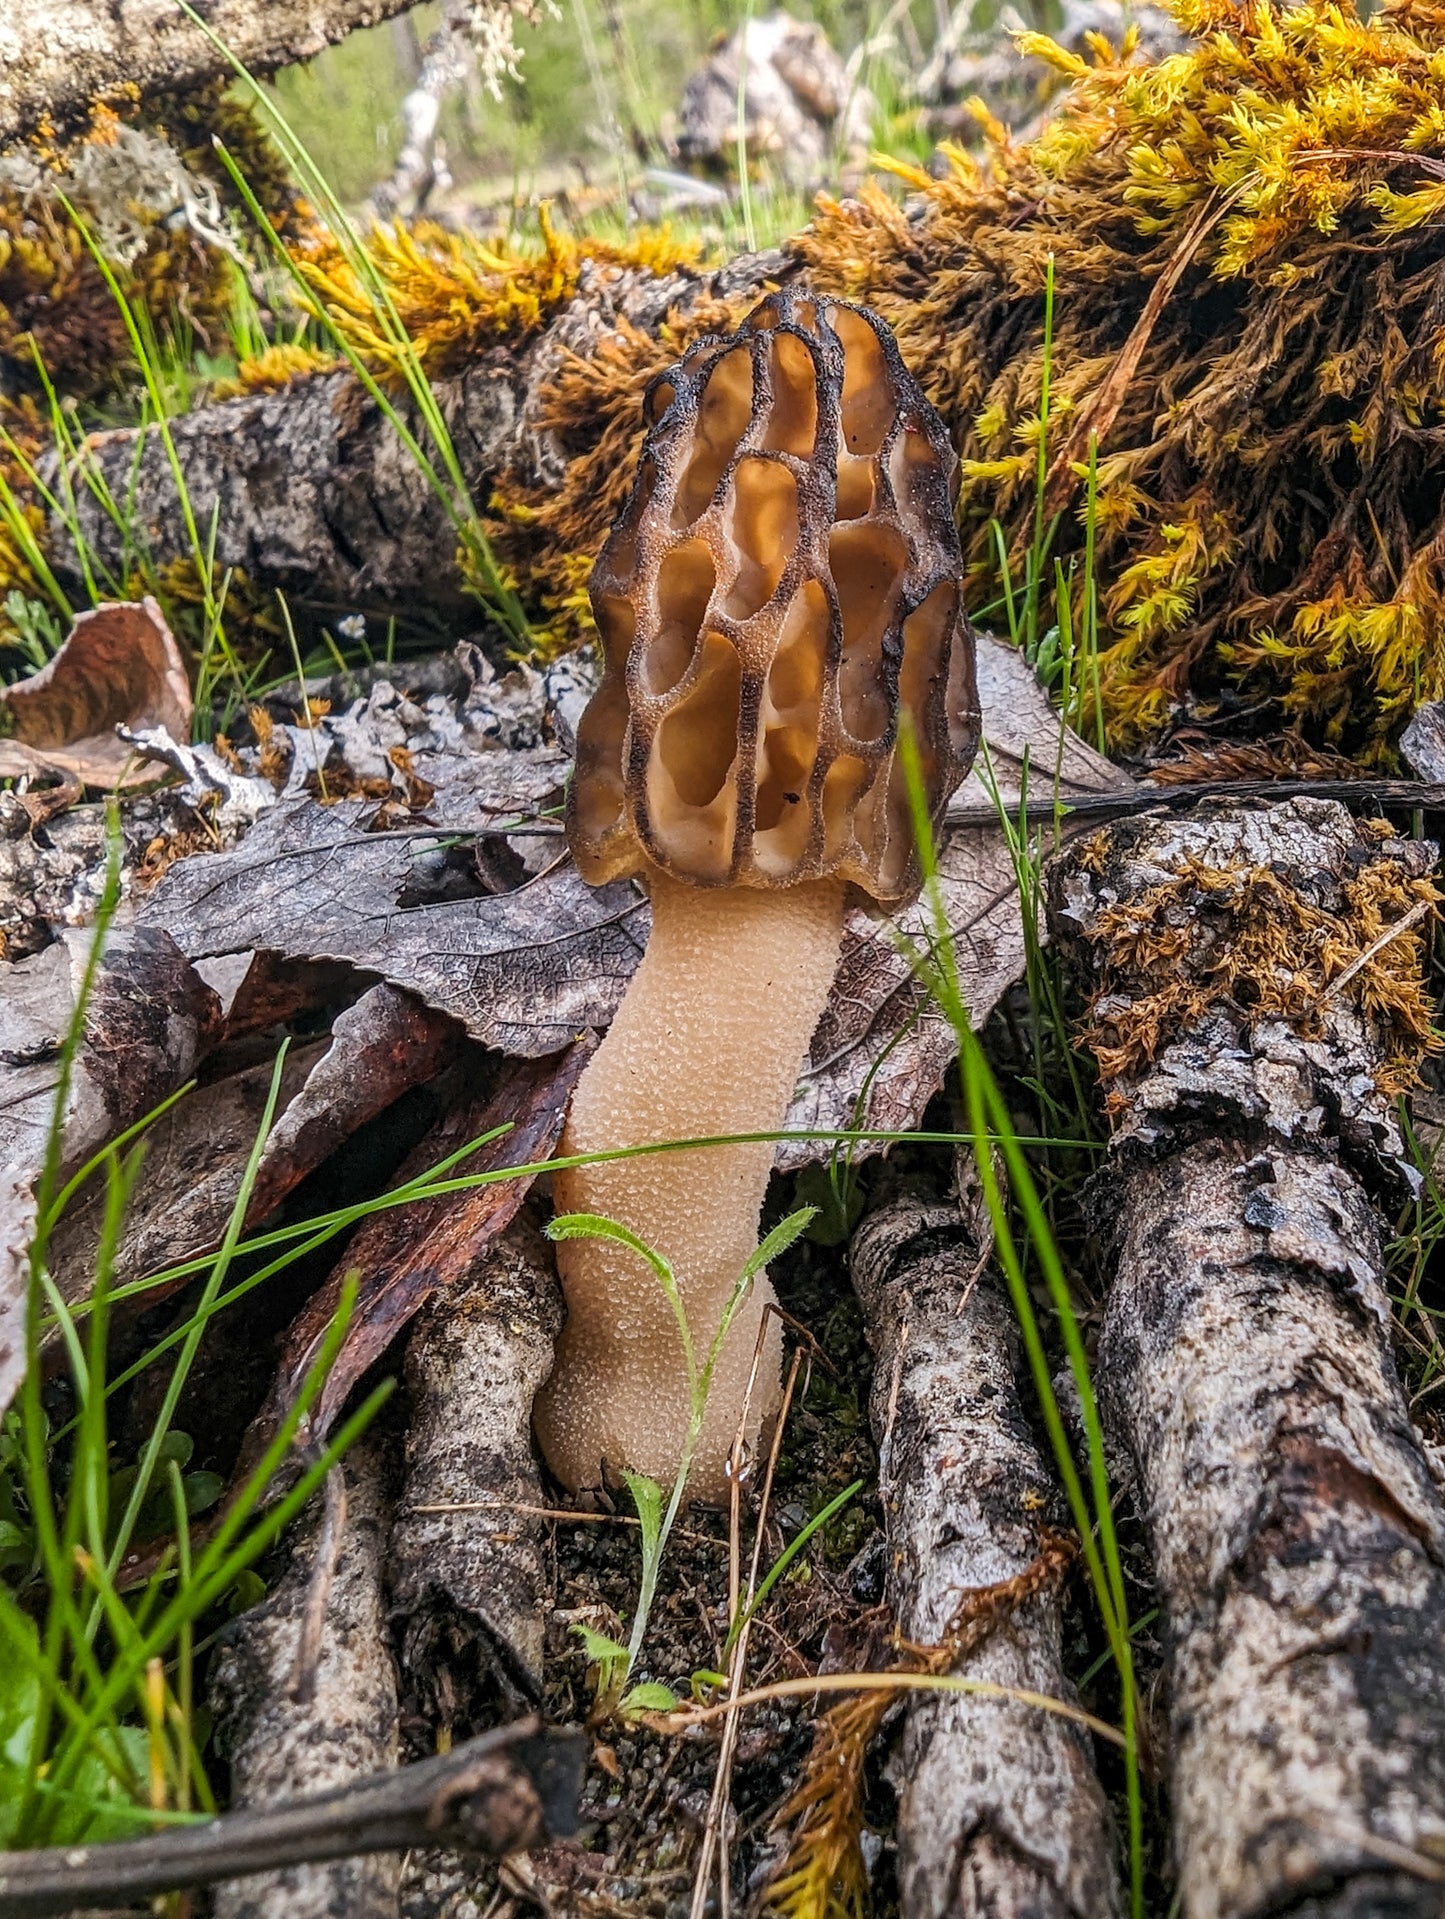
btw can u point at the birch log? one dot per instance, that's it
(469, 1577)
(1245, 1359)
(57, 57)
(1000, 1813)
(306, 1697)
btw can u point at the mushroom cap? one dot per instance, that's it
(784, 581)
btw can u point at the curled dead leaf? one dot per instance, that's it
(120, 666)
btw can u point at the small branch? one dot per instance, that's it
(505, 1792)
(999, 1807)
(1402, 925)
(1427, 795)
(1244, 1358)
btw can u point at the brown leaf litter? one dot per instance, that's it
(119, 666)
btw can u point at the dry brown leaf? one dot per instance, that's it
(196, 1154)
(525, 971)
(405, 1254)
(120, 666)
(149, 1020)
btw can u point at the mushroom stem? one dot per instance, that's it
(707, 1040)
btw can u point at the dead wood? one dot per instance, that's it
(317, 495)
(380, 1047)
(1000, 1812)
(1254, 979)
(149, 1020)
(504, 1792)
(470, 1579)
(405, 1255)
(57, 60)
(306, 1698)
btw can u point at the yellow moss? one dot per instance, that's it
(454, 295)
(278, 366)
(1266, 949)
(1270, 503)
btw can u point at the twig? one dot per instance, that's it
(1416, 913)
(554, 1512)
(1428, 795)
(896, 1681)
(504, 1792)
(323, 1570)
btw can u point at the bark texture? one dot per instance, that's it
(58, 56)
(1000, 1813)
(318, 496)
(1298, 1539)
(1297, 1535)
(470, 1582)
(299, 1712)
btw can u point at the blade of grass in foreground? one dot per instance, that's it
(994, 1140)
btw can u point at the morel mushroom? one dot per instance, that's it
(783, 584)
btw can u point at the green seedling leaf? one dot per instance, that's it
(249, 1590)
(600, 1650)
(779, 1240)
(837, 1204)
(650, 1696)
(703, 1682)
(599, 1226)
(647, 1498)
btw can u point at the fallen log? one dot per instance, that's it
(316, 493)
(471, 1588)
(504, 1792)
(999, 1811)
(1256, 990)
(306, 1699)
(58, 60)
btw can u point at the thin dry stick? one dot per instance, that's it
(318, 1590)
(509, 1789)
(552, 1512)
(1402, 925)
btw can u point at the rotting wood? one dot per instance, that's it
(306, 1696)
(59, 57)
(470, 1581)
(999, 1811)
(505, 1792)
(1298, 1538)
(316, 493)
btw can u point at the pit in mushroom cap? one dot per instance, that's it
(782, 585)
(784, 578)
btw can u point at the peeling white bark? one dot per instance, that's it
(293, 1724)
(59, 56)
(1000, 1815)
(1298, 1537)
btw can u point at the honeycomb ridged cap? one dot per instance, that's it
(784, 580)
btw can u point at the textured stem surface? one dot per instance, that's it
(708, 1040)
(1000, 1812)
(1297, 1535)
